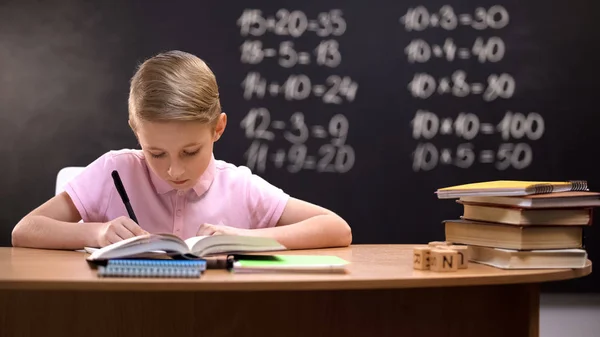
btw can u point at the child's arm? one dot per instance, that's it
(301, 226)
(54, 225)
(304, 226)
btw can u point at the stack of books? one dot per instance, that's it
(165, 255)
(522, 224)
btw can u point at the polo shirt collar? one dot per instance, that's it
(206, 179)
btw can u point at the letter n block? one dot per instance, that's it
(443, 260)
(421, 258)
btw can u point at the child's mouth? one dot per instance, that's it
(179, 182)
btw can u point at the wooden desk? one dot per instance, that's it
(55, 293)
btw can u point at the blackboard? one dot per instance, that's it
(363, 107)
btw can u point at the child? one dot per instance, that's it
(174, 183)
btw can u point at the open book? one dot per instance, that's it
(169, 245)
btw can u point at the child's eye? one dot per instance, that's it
(191, 153)
(160, 155)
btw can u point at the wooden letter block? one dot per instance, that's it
(443, 260)
(421, 258)
(463, 255)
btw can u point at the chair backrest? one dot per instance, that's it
(65, 175)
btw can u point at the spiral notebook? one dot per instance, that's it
(145, 268)
(510, 188)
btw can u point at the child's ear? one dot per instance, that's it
(220, 127)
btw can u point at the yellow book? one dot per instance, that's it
(510, 188)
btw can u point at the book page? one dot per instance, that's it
(191, 242)
(146, 244)
(218, 244)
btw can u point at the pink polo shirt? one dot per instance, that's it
(225, 194)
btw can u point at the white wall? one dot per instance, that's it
(570, 315)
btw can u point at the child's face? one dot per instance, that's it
(178, 152)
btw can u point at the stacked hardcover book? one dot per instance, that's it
(522, 224)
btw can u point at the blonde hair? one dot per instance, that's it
(174, 86)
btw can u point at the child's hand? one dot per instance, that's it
(208, 229)
(118, 229)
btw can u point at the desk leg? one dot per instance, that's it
(491, 311)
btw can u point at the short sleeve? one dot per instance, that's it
(266, 202)
(91, 189)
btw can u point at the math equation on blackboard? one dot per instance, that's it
(455, 63)
(460, 135)
(288, 138)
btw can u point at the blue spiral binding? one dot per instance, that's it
(143, 268)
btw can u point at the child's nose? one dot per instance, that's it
(176, 170)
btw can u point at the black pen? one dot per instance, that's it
(123, 194)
